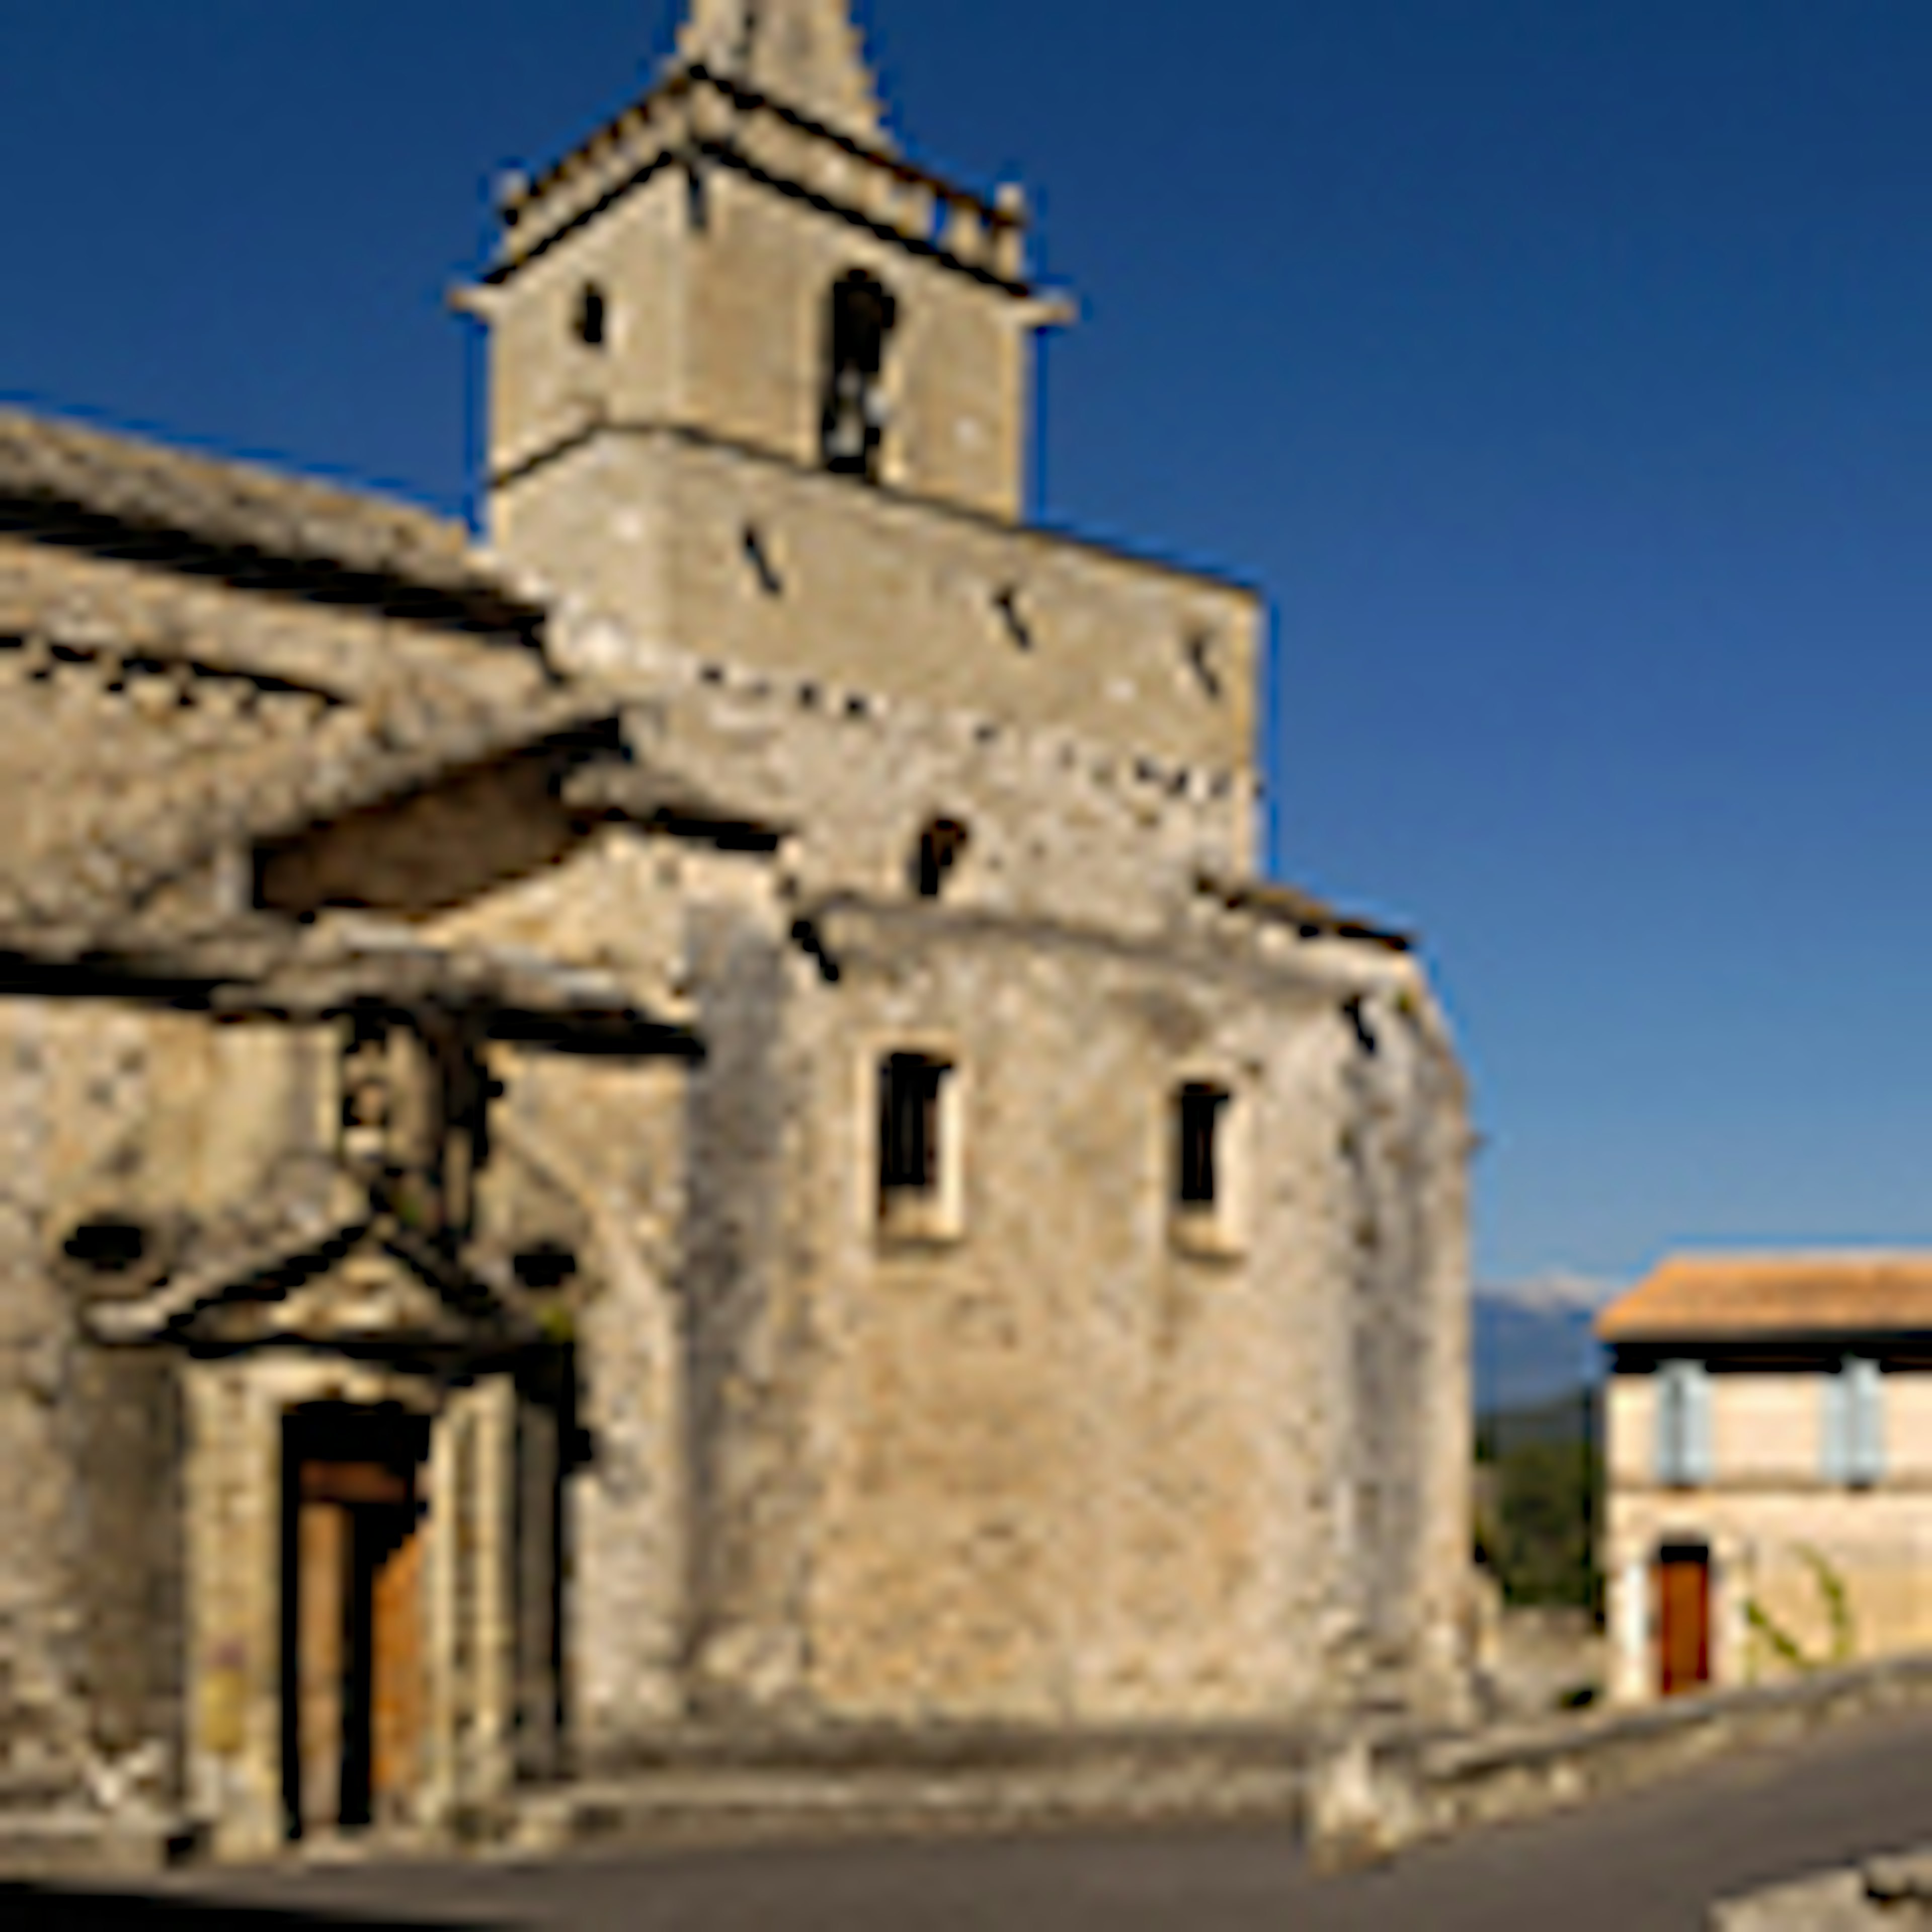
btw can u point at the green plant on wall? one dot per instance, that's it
(556, 1321)
(1837, 1605)
(1775, 1637)
(1836, 1601)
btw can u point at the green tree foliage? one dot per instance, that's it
(1540, 1494)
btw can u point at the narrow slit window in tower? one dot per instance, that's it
(940, 846)
(593, 317)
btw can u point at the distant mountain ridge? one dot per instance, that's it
(1530, 1342)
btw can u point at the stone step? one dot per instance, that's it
(70, 1842)
(756, 1804)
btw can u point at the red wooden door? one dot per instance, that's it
(1683, 1605)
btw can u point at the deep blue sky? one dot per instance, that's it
(1562, 369)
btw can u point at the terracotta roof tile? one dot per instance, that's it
(1711, 1296)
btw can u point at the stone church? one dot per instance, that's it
(688, 1121)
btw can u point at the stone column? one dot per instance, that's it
(489, 1772)
(442, 1665)
(234, 1515)
(471, 1551)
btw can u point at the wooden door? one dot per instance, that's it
(323, 1566)
(352, 1666)
(397, 1674)
(1683, 1619)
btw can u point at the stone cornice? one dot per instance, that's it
(1033, 534)
(698, 118)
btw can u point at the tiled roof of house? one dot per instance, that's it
(1715, 1297)
(58, 476)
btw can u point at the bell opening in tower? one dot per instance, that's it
(863, 316)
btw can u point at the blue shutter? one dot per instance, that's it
(1835, 1428)
(1668, 1422)
(1865, 1389)
(1697, 1429)
(1683, 1423)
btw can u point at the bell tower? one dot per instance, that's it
(744, 258)
(760, 393)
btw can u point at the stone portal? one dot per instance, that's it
(355, 1571)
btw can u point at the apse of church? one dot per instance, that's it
(685, 1136)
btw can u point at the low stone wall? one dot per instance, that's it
(1894, 1892)
(1366, 1802)
(1531, 1663)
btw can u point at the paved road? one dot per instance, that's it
(1646, 1863)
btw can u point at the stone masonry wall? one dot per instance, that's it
(1061, 828)
(586, 1157)
(89, 1556)
(648, 539)
(119, 1111)
(749, 1347)
(1062, 1470)
(1045, 1474)
(1401, 1143)
(42, 1729)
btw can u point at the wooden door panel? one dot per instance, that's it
(354, 1671)
(397, 1689)
(322, 1583)
(1683, 1603)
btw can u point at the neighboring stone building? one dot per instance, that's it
(693, 1125)
(1769, 1503)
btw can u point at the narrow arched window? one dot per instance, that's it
(593, 317)
(1208, 1212)
(862, 316)
(1199, 1111)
